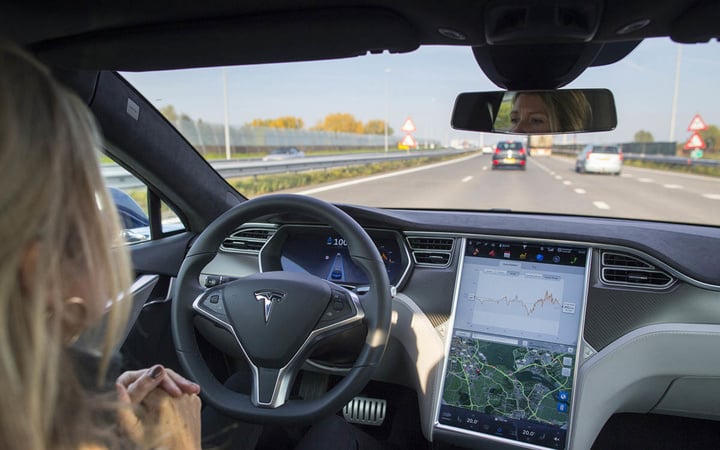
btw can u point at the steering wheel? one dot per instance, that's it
(276, 318)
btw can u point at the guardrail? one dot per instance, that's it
(116, 176)
(674, 160)
(670, 160)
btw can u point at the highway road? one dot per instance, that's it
(550, 184)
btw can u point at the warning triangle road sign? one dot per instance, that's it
(408, 126)
(695, 141)
(409, 141)
(697, 124)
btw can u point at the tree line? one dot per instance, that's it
(334, 122)
(711, 136)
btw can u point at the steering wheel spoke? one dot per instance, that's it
(271, 386)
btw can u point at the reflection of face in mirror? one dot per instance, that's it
(529, 114)
(549, 112)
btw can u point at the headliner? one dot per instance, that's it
(164, 34)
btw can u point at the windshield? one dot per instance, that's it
(339, 109)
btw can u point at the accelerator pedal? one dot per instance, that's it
(365, 411)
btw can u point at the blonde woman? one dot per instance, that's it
(550, 112)
(59, 273)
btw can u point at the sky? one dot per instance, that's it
(423, 85)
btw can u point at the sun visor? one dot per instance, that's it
(278, 37)
(697, 24)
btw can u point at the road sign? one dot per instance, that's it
(695, 141)
(409, 141)
(697, 124)
(696, 154)
(408, 126)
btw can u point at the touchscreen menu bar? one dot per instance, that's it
(539, 254)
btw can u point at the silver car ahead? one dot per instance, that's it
(600, 159)
(283, 153)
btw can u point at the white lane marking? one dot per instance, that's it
(558, 177)
(385, 175)
(712, 196)
(672, 186)
(601, 205)
(645, 180)
(466, 179)
(580, 191)
(485, 168)
(567, 183)
(542, 166)
(626, 175)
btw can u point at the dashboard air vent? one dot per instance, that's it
(620, 260)
(626, 270)
(428, 243)
(247, 240)
(435, 259)
(431, 251)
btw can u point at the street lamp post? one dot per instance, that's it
(227, 124)
(387, 70)
(673, 113)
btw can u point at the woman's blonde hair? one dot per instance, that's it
(52, 201)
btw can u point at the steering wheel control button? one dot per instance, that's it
(214, 303)
(339, 301)
(339, 308)
(212, 281)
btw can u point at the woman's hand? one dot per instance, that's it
(139, 383)
(174, 421)
(159, 397)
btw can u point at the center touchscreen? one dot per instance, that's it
(513, 351)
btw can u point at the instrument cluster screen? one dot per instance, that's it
(324, 253)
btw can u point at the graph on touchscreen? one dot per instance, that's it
(530, 302)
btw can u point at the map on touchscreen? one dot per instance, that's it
(512, 354)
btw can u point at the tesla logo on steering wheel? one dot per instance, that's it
(269, 298)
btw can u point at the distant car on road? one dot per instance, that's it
(509, 153)
(283, 153)
(600, 159)
(487, 150)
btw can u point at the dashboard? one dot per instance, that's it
(524, 336)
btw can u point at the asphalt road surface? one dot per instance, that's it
(550, 184)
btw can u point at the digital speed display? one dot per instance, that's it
(324, 254)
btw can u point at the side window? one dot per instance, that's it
(143, 215)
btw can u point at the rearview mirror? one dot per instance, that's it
(536, 112)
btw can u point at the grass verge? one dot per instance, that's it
(697, 170)
(265, 184)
